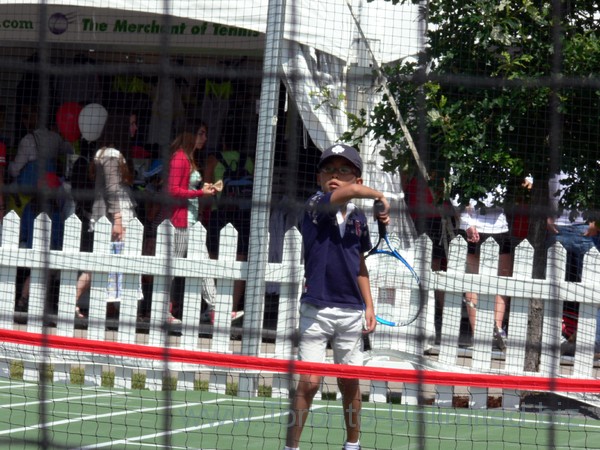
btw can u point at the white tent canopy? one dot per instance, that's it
(325, 25)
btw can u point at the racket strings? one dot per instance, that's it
(395, 290)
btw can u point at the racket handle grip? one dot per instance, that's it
(366, 343)
(378, 207)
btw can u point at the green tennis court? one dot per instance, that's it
(82, 417)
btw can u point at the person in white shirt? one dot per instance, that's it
(39, 141)
(477, 223)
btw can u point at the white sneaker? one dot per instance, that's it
(172, 320)
(236, 315)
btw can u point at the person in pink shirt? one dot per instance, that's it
(185, 185)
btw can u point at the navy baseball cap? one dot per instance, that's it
(345, 151)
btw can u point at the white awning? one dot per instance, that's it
(327, 26)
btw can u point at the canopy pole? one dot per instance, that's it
(261, 195)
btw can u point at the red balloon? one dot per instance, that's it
(67, 120)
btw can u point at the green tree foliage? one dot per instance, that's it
(501, 94)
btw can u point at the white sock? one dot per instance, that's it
(352, 445)
(291, 448)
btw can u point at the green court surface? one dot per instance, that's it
(76, 417)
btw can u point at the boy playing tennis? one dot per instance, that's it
(337, 293)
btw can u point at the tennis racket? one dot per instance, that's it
(396, 284)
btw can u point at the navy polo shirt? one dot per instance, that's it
(332, 261)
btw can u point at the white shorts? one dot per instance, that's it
(341, 327)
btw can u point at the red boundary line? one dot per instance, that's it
(300, 367)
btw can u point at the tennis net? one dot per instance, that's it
(171, 398)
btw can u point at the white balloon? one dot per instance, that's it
(92, 119)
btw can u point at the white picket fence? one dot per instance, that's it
(70, 262)
(410, 346)
(402, 348)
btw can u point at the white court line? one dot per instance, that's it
(190, 429)
(434, 414)
(474, 417)
(20, 385)
(519, 420)
(53, 400)
(250, 419)
(98, 416)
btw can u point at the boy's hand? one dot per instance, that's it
(382, 210)
(370, 322)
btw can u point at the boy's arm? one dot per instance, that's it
(364, 285)
(344, 194)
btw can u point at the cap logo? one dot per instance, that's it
(337, 149)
